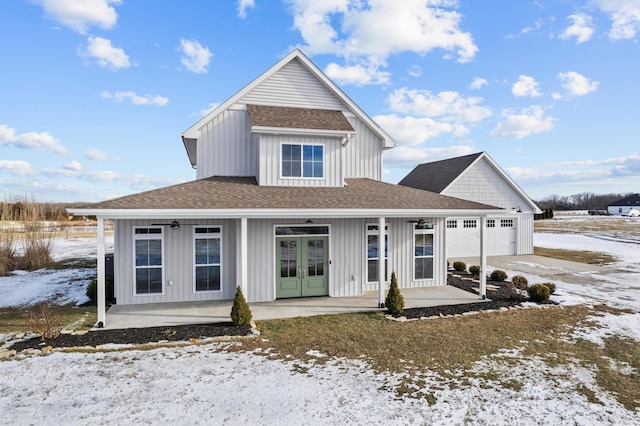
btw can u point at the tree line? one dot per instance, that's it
(583, 201)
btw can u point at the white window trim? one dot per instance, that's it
(324, 150)
(413, 253)
(137, 237)
(366, 251)
(195, 265)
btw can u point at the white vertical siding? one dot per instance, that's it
(270, 158)
(363, 155)
(224, 146)
(295, 86)
(525, 233)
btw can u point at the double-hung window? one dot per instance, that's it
(373, 236)
(302, 160)
(208, 258)
(148, 259)
(423, 253)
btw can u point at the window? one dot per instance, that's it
(469, 223)
(148, 270)
(208, 258)
(372, 253)
(452, 223)
(491, 223)
(423, 254)
(302, 161)
(506, 223)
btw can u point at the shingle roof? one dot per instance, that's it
(245, 193)
(633, 200)
(436, 176)
(297, 118)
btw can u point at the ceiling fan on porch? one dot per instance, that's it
(421, 224)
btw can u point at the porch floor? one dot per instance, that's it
(179, 313)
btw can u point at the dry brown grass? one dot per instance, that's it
(581, 256)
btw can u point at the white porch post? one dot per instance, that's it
(381, 258)
(483, 257)
(244, 254)
(102, 313)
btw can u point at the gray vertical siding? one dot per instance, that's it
(363, 155)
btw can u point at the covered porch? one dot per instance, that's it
(201, 312)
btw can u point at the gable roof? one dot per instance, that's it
(263, 116)
(237, 196)
(632, 200)
(437, 176)
(190, 136)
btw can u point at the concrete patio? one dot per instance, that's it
(168, 314)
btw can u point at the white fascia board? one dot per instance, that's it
(297, 131)
(277, 213)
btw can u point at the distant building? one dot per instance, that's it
(622, 207)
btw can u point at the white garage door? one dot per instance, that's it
(463, 237)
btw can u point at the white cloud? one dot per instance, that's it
(535, 27)
(409, 156)
(369, 32)
(73, 166)
(195, 57)
(106, 55)
(30, 140)
(356, 74)
(16, 167)
(81, 14)
(577, 84)
(527, 122)
(212, 106)
(625, 15)
(243, 6)
(525, 86)
(415, 71)
(408, 131)
(135, 98)
(478, 83)
(449, 106)
(582, 28)
(97, 155)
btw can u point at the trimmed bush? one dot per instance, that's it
(517, 288)
(552, 287)
(92, 290)
(498, 275)
(394, 301)
(240, 311)
(474, 270)
(539, 293)
(459, 266)
(520, 282)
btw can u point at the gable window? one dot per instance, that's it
(423, 254)
(302, 160)
(208, 258)
(506, 223)
(148, 260)
(372, 252)
(452, 223)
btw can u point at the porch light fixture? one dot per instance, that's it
(516, 209)
(308, 221)
(175, 225)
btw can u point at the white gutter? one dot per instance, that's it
(297, 131)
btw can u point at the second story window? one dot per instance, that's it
(304, 161)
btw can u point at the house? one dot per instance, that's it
(288, 202)
(624, 206)
(477, 177)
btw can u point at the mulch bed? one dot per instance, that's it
(498, 298)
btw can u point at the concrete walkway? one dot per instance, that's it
(167, 314)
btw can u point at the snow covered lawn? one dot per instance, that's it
(217, 384)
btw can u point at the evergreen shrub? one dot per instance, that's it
(498, 275)
(240, 311)
(539, 293)
(474, 270)
(394, 301)
(459, 266)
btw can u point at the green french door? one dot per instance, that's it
(302, 266)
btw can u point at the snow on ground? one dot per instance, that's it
(204, 385)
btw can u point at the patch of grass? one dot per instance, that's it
(581, 256)
(451, 346)
(77, 318)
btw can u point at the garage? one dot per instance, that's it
(463, 237)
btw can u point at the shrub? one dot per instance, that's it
(517, 288)
(539, 293)
(459, 266)
(552, 287)
(498, 275)
(240, 311)
(394, 301)
(474, 270)
(48, 323)
(92, 290)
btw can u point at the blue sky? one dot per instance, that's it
(94, 94)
